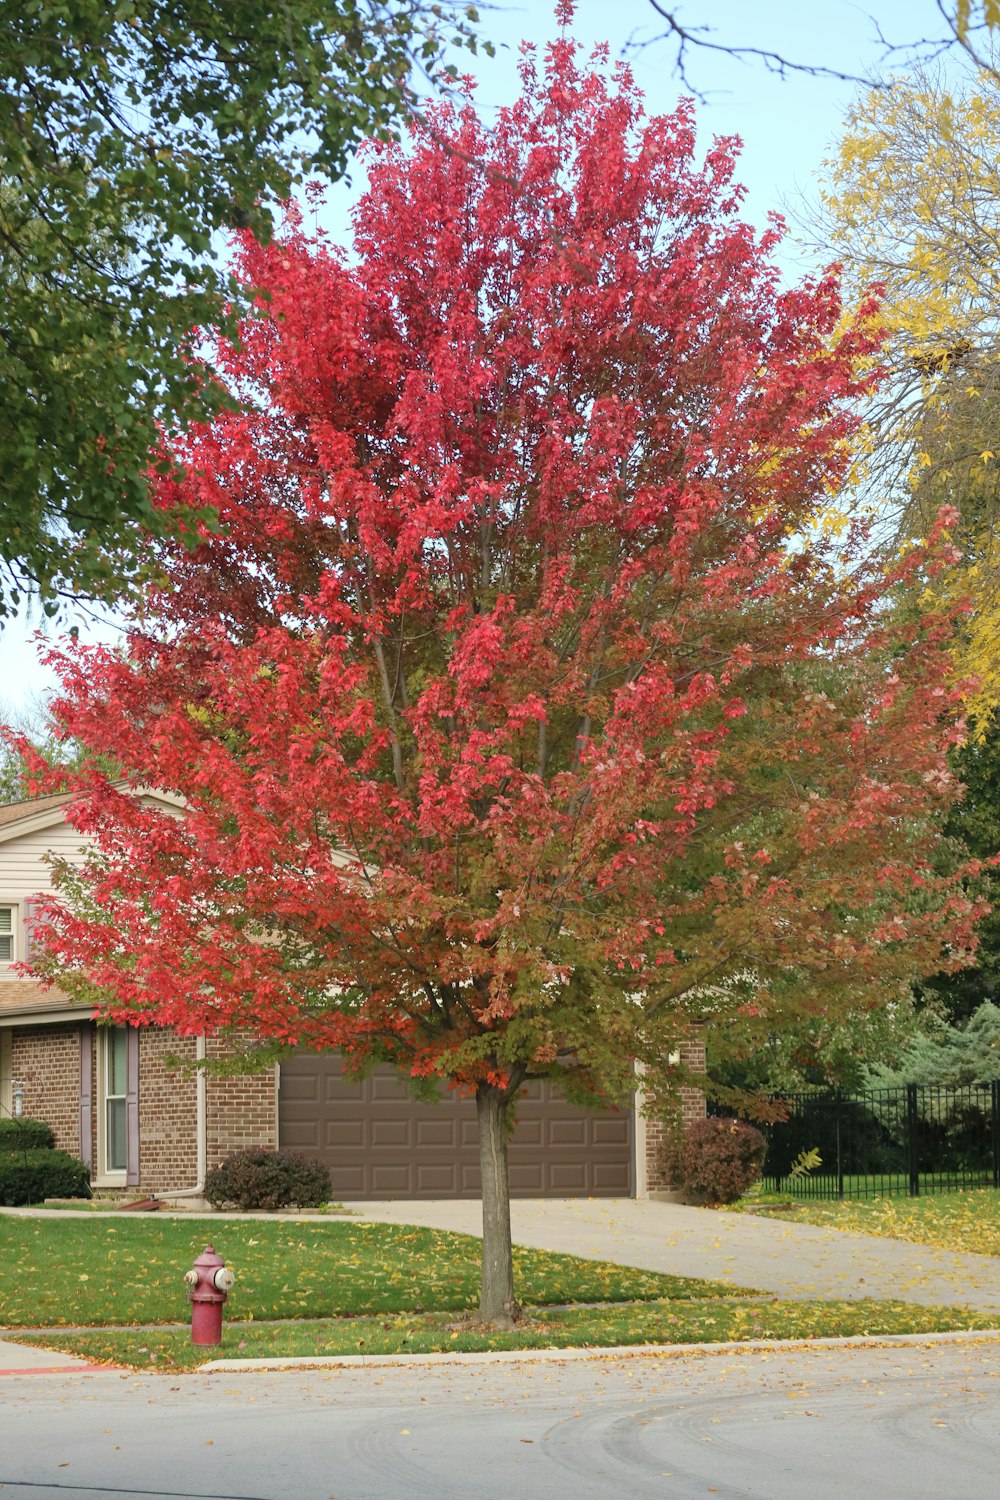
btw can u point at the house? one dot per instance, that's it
(115, 1096)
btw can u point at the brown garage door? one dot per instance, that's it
(380, 1143)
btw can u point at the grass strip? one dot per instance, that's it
(660, 1321)
(964, 1221)
(66, 1272)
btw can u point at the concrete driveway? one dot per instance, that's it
(791, 1260)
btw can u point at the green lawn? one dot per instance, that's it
(967, 1221)
(359, 1288)
(658, 1321)
(59, 1272)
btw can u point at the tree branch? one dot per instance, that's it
(688, 37)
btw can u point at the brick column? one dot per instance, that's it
(692, 1107)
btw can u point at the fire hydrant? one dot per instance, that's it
(209, 1283)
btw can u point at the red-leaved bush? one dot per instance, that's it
(716, 1160)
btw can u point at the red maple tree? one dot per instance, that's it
(524, 713)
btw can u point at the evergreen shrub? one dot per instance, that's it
(19, 1134)
(30, 1176)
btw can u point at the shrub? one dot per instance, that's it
(716, 1160)
(29, 1176)
(19, 1134)
(267, 1179)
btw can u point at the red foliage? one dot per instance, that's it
(716, 1160)
(515, 697)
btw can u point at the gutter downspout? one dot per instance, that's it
(201, 1128)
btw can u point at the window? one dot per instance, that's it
(8, 915)
(113, 1077)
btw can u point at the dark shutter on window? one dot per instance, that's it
(87, 1094)
(28, 911)
(131, 1106)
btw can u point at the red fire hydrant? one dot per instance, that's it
(209, 1283)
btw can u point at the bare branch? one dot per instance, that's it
(963, 35)
(688, 37)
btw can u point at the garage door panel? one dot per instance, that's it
(437, 1133)
(435, 1182)
(527, 1180)
(390, 1180)
(567, 1178)
(607, 1181)
(338, 1090)
(303, 1136)
(351, 1181)
(302, 1086)
(470, 1183)
(386, 1088)
(567, 1133)
(380, 1143)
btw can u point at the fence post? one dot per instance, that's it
(995, 1129)
(912, 1149)
(840, 1156)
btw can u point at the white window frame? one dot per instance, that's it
(16, 940)
(105, 1176)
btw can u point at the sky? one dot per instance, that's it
(787, 126)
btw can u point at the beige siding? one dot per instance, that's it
(25, 872)
(23, 867)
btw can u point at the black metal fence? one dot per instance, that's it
(923, 1138)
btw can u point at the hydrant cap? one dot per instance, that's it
(208, 1260)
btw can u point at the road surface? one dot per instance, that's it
(915, 1422)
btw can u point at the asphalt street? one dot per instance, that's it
(915, 1422)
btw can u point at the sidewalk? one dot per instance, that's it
(798, 1261)
(21, 1359)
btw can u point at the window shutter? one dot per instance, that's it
(32, 945)
(87, 1094)
(28, 917)
(131, 1106)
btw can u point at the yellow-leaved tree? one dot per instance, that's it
(912, 203)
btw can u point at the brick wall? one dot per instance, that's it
(46, 1059)
(692, 1107)
(242, 1111)
(168, 1142)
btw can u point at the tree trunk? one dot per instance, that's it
(496, 1300)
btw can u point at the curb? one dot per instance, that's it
(616, 1351)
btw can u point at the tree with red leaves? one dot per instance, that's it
(525, 711)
